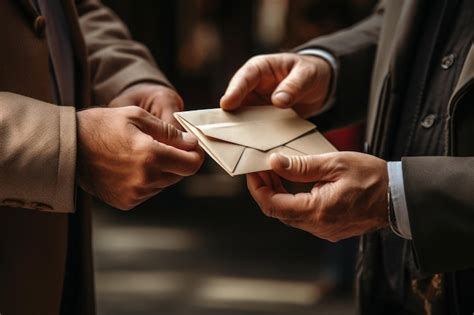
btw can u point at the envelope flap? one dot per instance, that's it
(259, 127)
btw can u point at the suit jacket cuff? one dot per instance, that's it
(37, 154)
(439, 196)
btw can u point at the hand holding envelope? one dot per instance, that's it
(242, 141)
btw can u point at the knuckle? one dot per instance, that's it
(135, 111)
(139, 144)
(301, 165)
(339, 162)
(170, 131)
(308, 70)
(148, 159)
(269, 210)
(142, 179)
(293, 85)
(309, 205)
(255, 59)
(256, 63)
(136, 194)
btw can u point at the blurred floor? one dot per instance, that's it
(205, 256)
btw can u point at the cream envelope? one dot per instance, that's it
(241, 141)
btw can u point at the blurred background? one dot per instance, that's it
(203, 247)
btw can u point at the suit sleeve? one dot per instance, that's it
(354, 50)
(37, 154)
(440, 204)
(116, 61)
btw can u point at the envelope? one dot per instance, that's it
(241, 141)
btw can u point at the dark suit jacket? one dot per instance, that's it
(373, 57)
(38, 196)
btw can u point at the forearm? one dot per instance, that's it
(37, 154)
(116, 61)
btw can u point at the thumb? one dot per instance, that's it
(301, 169)
(168, 134)
(293, 87)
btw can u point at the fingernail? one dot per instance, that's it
(189, 137)
(283, 97)
(282, 159)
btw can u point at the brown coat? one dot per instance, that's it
(38, 195)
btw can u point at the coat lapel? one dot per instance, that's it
(385, 104)
(82, 88)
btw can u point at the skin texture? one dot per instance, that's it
(348, 198)
(158, 100)
(127, 155)
(349, 193)
(284, 80)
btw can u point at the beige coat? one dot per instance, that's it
(38, 194)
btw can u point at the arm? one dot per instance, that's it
(37, 154)
(116, 61)
(354, 50)
(441, 211)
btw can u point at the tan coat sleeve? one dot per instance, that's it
(37, 154)
(116, 61)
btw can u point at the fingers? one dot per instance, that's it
(280, 205)
(241, 85)
(281, 79)
(163, 132)
(294, 86)
(175, 161)
(303, 169)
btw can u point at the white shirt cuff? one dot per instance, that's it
(397, 191)
(334, 66)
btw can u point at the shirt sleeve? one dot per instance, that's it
(334, 67)
(397, 191)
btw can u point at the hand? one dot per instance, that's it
(126, 155)
(159, 100)
(284, 80)
(349, 197)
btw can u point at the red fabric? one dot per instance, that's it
(347, 139)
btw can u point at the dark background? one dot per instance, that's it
(202, 246)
